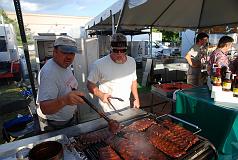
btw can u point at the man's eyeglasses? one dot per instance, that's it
(115, 50)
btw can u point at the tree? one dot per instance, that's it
(8, 20)
(169, 36)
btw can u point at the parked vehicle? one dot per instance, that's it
(160, 49)
(9, 56)
(44, 44)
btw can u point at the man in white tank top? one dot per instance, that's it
(114, 76)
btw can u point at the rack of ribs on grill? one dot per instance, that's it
(157, 135)
(139, 125)
(135, 146)
(184, 137)
(144, 149)
(122, 146)
(107, 153)
(94, 137)
(170, 138)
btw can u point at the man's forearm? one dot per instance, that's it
(52, 106)
(188, 58)
(134, 90)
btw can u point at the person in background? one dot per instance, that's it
(193, 57)
(57, 102)
(234, 66)
(219, 55)
(44, 61)
(115, 75)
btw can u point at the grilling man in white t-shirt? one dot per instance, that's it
(57, 101)
(114, 76)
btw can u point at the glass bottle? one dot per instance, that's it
(226, 83)
(213, 72)
(233, 80)
(217, 77)
(235, 87)
(224, 69)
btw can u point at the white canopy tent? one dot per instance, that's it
(191, 14)
(166, 14)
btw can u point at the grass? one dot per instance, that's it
(9, 93)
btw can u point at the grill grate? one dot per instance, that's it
(92, 150)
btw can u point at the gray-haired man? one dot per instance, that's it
(57, 102)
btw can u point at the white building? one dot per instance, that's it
(42, 23)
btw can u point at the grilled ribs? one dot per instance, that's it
(184, 138)
(123, 146)
(139, 125)
(143, 148)
(157, 135)
(144, 139)
(94, 137)
(107, 153)
(135, 146)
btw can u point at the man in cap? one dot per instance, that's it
(114, 76)
(56, 98)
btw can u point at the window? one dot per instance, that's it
(3, 44)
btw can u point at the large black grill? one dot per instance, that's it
(202, 149)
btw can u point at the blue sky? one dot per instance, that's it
(60, 7)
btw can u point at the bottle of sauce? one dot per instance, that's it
(235, 87)
(217, 77)
(233, 80)
(224, 69)
(213, 72)
(226, 84)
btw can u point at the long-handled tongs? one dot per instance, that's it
(114, 126)
(113, 105)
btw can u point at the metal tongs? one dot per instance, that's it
(113, 105)
(113, 125)
(117, 98)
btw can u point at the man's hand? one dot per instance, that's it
(52, 106)
(92, 87)
(136, 103)
(73, 98)
(104, 97)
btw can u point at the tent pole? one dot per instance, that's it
(151, 41)
(121, 15)
(113, 22)
(131, 45)
(25, 46)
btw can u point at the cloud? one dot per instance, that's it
(63, 7)
(31, 7)
(81, 8)
(4, 4)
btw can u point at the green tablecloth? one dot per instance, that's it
(218, 121)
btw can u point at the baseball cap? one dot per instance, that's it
(66, 44)
(118, 40)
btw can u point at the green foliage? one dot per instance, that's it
(8, 20)
(168, 36)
